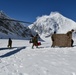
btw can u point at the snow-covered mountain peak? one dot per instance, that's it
(1, 12)
(55, 22)
(3, 15)
(55, 13)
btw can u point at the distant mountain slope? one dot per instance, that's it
(12, 29)
(55, 22)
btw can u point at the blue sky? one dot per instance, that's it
(29, 10)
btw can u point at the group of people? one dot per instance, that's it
(35, 42)
(69, 36)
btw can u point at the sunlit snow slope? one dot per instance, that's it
(55, 22)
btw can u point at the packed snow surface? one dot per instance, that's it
(21, 59)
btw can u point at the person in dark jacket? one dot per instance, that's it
(9, 43)
(35, 41)
(52, 38)
(69, 34)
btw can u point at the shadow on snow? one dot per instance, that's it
(7, 48)
(12, 52)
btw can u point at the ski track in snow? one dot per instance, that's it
(38, 61)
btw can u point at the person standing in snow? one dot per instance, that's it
(69, 34)
(9, 43)
(35, 41)
(52, 37)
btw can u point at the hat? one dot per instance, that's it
(72, 30)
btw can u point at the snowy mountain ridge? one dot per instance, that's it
(44, 26)
(55, 22)
(12, 29)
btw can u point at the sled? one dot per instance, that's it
(61, 40)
